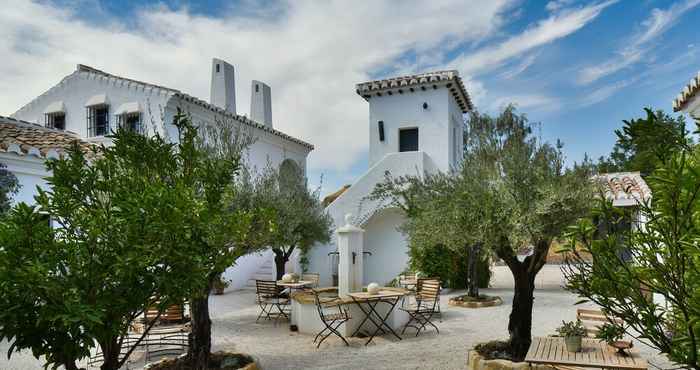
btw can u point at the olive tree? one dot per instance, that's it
(512, 192)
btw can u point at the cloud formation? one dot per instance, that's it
(311, 53)
(639, 44)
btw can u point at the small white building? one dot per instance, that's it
(415, 127)
(89, 104)
(688, 100)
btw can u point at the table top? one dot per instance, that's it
(552, 351)
(381, 294)
(296, 284)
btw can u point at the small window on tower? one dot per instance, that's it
(217, 68)
(408, 140)
(257, 87)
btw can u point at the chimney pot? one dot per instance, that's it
(223, 86)
(261, 103)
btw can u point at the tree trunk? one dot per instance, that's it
(472, 271)
(110, 355)
(280, 262)
(200, 336)
(520, 322)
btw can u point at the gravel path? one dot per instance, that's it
(275, 347)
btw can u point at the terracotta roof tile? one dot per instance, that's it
(25, 138)
(691, 90)
(627, 187)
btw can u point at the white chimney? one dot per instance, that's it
(261, 103)
(223, 86)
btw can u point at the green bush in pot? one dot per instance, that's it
(573, 332)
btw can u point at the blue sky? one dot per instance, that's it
(578, 67)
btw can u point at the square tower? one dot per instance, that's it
(417, 113)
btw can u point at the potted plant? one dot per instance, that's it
(219, 285)
(573, 332)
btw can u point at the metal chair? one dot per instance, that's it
(311, 276)
(269, 298)
(425, 307)
(332, 321)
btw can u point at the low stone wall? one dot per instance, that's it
(493, 301)
(476, 362)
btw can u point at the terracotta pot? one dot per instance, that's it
(573, 344)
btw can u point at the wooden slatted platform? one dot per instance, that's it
(552, 351)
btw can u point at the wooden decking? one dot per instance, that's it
(552, 351)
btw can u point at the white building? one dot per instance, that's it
(416, 127)
(688, 100)
(88, 104)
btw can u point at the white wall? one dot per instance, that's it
(30, 172)
(354, 201)
(389, 247)
(397, 111)
(76, 89)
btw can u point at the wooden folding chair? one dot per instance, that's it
(331, 321)
(311, 276)
(269, 298)
(425, 307)
(592, 320)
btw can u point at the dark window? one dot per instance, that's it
(98, 120)
(130, 121)
(55, 120)
(380, 124)
(217, 68)
(408, 140)
(257, 87)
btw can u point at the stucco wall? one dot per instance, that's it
(76, 89)
(405, 110)
(388, 247)
(30, 172)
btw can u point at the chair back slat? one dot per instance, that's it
(428, 292)
(592, 320)
(312, 276)
(266, 287)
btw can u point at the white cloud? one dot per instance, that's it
(556, 5)
(519, 68)
(603, 93)
(311, 53)
(531, 102)
(640, 42)
(557, 26)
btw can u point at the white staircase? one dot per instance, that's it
(264, 272)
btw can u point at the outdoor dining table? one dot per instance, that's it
(389, 297)
(594, 353)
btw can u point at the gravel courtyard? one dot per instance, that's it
(275, 347)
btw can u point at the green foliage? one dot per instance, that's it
(643, 143)
(450, 266)
(9, 186)
(571, 329)
(511, 191)
(127, 232)
(610, 332)
(299, 217)
(665, 259)
(142, 218)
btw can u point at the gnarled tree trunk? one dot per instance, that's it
(520, 321)
(200, 335)
(281, 259)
